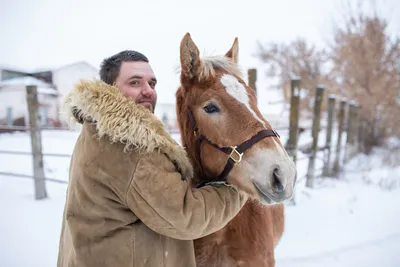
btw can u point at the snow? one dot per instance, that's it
(47, 91)
(332, 96)
(26, 80)
(43, 87)
(351, 221)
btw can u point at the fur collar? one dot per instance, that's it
(122, 120)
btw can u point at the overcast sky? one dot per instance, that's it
(42, 33)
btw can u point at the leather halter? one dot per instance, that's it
(235, 152)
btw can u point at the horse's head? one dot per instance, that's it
(218, 111)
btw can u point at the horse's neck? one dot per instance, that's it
(251, 235)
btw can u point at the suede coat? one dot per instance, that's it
(129, 202)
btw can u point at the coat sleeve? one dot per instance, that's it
(169, 206)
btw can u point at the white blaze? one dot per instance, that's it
(237, 91)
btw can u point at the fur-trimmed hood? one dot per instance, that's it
(122, 120)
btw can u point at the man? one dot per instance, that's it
(129, 202)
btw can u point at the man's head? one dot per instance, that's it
(131, 72)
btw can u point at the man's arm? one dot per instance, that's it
(168, 206)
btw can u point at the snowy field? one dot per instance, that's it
(353, 221)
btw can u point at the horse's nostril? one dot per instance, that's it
(276, 172)
(276, 184)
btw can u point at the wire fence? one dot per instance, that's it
(31, 177)
(310, 150)
(68, 156)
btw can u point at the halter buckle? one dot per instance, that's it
(196, 132)
(235, 156)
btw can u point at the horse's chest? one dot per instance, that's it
(243, 242)
(223, 255)
(214, 256)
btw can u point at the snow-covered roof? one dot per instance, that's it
(42, 87)
(26, 80)
(42, 69)
(13, 68)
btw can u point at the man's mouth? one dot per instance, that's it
(146, 101)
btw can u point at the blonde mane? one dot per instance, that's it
(211, 64)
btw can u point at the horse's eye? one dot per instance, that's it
(211, 108)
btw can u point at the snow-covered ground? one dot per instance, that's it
(353, 221)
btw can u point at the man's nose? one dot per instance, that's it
(147, 90)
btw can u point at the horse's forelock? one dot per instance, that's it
(211, 65)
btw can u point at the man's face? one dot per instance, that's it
(137, 81)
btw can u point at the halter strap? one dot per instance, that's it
(235, 152)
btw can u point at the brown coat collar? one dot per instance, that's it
(123, 121)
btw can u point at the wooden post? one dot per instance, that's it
(361, 135)
(328, 145)
(36, 143)
(355, 128)
(291, 145)
(9, 116)
(349, 132)
(336, 164)
(294, 119)
(315, 133)
(252, 77)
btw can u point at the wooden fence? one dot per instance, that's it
(344, 113)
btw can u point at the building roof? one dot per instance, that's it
(26, 80)
(42, 87)
(13, 68)
(43, 69)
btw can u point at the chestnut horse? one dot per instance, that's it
(227, 139)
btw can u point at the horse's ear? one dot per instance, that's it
(233, 53)
(190, 59)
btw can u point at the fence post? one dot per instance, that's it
(36, 142)
(291, 145)
(252, 77)
(336, 165)
(361, 135)
(9, 116)
(294, 119)
(351, 124)
(355, 128)
(328, 145)
(315, 133)
(347, 129)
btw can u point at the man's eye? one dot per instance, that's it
(135, 82)
(211, 108)
(152, 84)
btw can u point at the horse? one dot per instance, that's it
(228, 140)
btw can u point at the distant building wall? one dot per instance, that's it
(66, 77)
(13, 104)
(15, 99)
(166, 112)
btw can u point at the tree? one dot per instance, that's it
(362, 64)
(297, 58)
(367, 63)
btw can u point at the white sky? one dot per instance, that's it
(42, 33)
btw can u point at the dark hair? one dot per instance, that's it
(109, 69)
